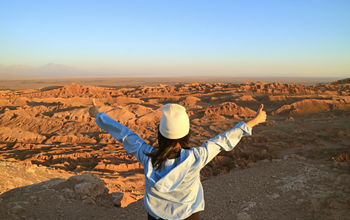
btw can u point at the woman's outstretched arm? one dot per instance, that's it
(132, 143)
(229, 139)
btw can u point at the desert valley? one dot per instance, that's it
(57, 164)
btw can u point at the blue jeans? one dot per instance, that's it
(194, 216)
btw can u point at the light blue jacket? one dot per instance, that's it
(174, 192)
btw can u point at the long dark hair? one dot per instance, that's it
(168, 149)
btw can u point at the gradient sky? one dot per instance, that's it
(308, 38)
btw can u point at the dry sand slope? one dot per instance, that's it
(50, 127)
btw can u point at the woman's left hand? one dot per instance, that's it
(93, 110)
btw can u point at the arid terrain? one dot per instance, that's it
(294, 166)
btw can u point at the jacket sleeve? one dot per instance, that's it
(132, 143)
(226, 141)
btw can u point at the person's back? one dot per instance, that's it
(172, 170)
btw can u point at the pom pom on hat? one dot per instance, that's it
(174, 123)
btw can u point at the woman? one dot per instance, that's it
(172, 170)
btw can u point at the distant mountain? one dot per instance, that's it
(48, 70)
(53, 68)
(342, 81)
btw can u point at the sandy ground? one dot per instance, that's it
(293, 187)
(296, 164)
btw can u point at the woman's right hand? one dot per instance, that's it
(259, 118)
(93, 110)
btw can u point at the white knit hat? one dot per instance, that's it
(174, 123)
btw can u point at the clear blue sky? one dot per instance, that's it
(177, 37)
